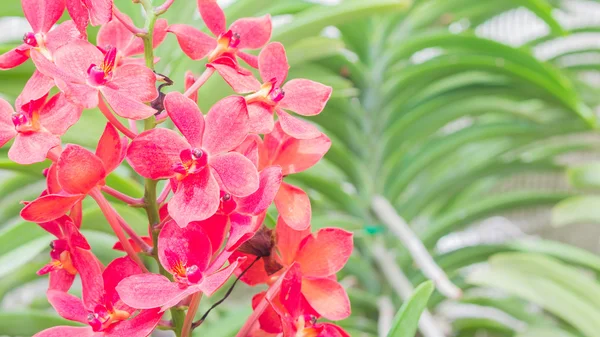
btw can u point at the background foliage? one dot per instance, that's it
(434, 135)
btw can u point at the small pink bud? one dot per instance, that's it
(197, 153)
(29, 38)
(193, 273)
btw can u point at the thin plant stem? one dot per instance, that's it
(113, 221)
(124, 20)
(162, 197)
(164, 7)
(133, 235)
(191, 313)
(199, 82)
(131, 201)
(113, 120)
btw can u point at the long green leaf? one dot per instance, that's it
(407, 319)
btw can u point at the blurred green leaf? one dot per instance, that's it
(576, 210)
(407, 319)
(585, 176)
(28, 323)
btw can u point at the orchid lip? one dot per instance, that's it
(29, 38)
(96, 75)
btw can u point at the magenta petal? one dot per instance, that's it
(42, 14)
(80, 94)
(296, 127)
(79, 14)
(194, 43)
(259, 201)
(76, 58)
(186, 116)
(153, 153)
(12, 58)
(213, 16)
(100, 11)
(60, 280)
(30, 148)
(215, 281)
(36, 87)
(90, 271)
(214, 228)
(196, 199)
(236, 172)
(325, 252)
(254, 32)
(7, 128)
(67, 306)
(149, 291)
(67, 331)
(115, 34)
(61, 35)
(188, 246)
(141, 325)
(273, 64)
(250, 148)
(136, 82)
(260, 117)
(126, 106)
(240, 81)
(49, 207)
(58, 114)
(291, 295)
(79, 170)
(305, 97)
(226, 125)
(115, 272)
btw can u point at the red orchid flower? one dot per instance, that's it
(305, 97)
(290, 313)
(102, 309)
(201, 162)
(70, 255)
(82, 72)
(246, 214)
(41, 15)
(186, 254)
(83, 12)
(222, 52)
(320, 256)
(115, 34)
(293, 156)
(78, 172)
(36, 126)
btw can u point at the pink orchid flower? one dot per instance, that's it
(246, 214)
(116, 35)
(200, 164)
(36, 126)
(41, 15)
(320, 256)
(302, 96)
(222, 52)
(293, 156)
(84, 12)
(78, 171)
(186, 254)
(293, 316)
(70, 255)
(82, 72)
(102, 310)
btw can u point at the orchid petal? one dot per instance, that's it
(100, 11)
(325, 253)
(126, 106)
(215, 281)
(294, 206)
(13, 58)
(273, 64)
(111, 148)
(186, 116)
(30, 148)
(77, 57)
(79, 14)
(62, 35)
(60, 280)
(153, 153)
(42, 14)
(7, 128)
(196, 199)
(213, 16)
(327, 297)
(141, 325)
(269, 182)
(188, 246)
(254, 32)
(36, 87)
(251, 60)
(236, 173)
(49, 207)
(149, 291)
(305, 97)
(67, 331)
(288, 240)
(214, 228)
(260, 117)
(226, 125)
(67, 306)
(58, 114)
(296, 127)
(136, 82)
(115, 272)
(250, 148)
(241, 80)
(79, 170)
(194, 43)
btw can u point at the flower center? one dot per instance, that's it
(61, 258)
(269, 93)
(103, 316)
(29, 38)
(187, 275)
(192, 161)
(27, 120)
(227, 44)
(228, 205)
(305, 326)
(98, 75)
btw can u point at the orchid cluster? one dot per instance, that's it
(222, 171)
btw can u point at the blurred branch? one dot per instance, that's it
(386, 316)
(387, 214)
(403, 288)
